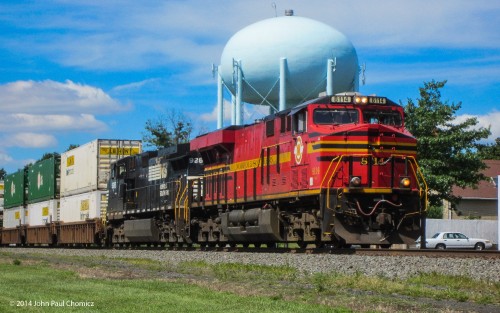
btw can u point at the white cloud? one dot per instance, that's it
(10, 164)
(135, 85)
(250, 113)
(37, 111)
(212, 116)
(414, 23)
(42, 97)
(52, 122)
(29, 140)
(478, 73)
(488, 120)
(131, 35)
(5, 158)
(253, 112)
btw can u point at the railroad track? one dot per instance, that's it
(485, 254)
(433, 253)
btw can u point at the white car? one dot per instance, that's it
(454, 240)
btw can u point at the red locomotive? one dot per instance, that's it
(337, 170)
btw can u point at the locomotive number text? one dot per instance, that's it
(375, 161)
(315, 170)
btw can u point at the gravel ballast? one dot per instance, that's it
(386, 266)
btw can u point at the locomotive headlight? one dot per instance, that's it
(362, 100)
(355, 181)
(405, 182)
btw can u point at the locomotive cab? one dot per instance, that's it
(363, 160)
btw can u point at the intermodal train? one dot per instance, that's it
(337, 170)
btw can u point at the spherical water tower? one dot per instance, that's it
(284, 61)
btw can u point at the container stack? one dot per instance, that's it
(84, 177)
(15, 212)
(43, 191)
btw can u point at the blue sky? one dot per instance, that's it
(72, 71)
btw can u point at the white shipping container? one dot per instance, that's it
(2, 187)
(83, 206)
(43, 212)
(15, 216)
(87, 167)
(1, 204)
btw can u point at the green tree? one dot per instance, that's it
(2, 173)
(165, 131)
(446, 149)
(489, 151)
(72, 146)
(48, 155)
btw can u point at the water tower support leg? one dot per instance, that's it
(239, 91)
(329, 77)
(220, 100)
(283, 66)
(233, 109)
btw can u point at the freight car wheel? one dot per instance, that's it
(302, 244)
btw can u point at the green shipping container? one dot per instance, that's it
(15, 184)
(43, 180)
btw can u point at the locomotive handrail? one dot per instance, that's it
(330, 179)
(417, 173)
(186, 199)
(177, 193)
(183, 199)
(327, 170)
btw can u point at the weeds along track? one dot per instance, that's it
(386, 263)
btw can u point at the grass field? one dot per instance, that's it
(42, 283)
(41, 288)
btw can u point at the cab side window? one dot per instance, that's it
(121, 171)
(299, 122)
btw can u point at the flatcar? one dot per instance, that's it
(337, 170)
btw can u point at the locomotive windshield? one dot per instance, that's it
(383, 117)
(335, 116)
